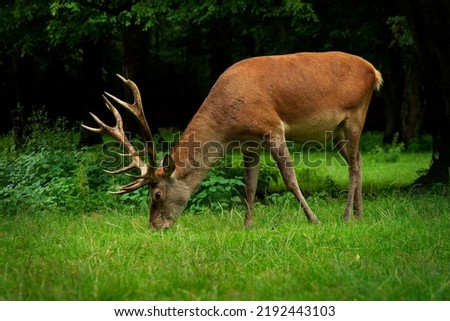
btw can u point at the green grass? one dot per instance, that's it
(399, 251)
(377, 175)
(89, 245)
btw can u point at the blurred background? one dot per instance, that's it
(58, 56)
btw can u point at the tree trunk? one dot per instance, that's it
(23, 76)
(430, 25)
(412, 107)
(394, 80)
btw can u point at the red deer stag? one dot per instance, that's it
(301, 97)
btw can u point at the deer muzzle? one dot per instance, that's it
(159, 222)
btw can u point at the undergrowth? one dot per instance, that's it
(51, 172)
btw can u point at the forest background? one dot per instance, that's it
(60, 55)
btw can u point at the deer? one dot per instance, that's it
(261, 102)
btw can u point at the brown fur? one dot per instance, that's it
(298, 97)
(259, 102)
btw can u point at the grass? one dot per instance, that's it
(399, 251)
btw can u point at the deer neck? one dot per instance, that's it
(199, 149)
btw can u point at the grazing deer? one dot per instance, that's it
(301, 97)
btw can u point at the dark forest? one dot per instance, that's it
(60, 55)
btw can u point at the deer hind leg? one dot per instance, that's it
(280, 153)
(350, 151)
(251, 172)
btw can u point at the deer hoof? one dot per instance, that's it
(314, 220)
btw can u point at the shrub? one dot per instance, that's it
(389, 153)
(217, 192)
(41, 179)
(49, 171)
(224, 187)
(420, 144)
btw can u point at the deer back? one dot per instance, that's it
(301, 94)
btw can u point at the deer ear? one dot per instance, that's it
(168, 165)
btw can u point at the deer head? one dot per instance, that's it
(168, 195)
(158, 178)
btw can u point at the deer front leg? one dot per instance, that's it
(282, 157)
(251, 172)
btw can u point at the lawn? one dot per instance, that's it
(93, 246)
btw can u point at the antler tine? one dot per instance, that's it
(92, 129)
(102, 125)
(118, 133)
(136, 108)
(130, 187)
(121, 170)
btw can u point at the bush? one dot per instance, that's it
(224, 185)
(389, 153)
(420, 144)
(217, 192)
(51, 173)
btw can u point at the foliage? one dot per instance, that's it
(21, 26)
(51, 172)
(390, 153)
(72, 23)
(420, 144)
(370, 141)
(180, 47)
(217, 193)
(363, 31)
(401, 36)
(48, 135)
(223, 186)
(43, 178)
(65, 24)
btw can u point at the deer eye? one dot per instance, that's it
(157, 195)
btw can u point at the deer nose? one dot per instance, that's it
(162, 225)
(159, 222)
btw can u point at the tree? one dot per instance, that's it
(62, 54)
(81, 28)
(21, 44)
(430, 27)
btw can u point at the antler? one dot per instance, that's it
(136, 108)
(118, 133)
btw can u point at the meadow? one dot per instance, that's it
(63, 237)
